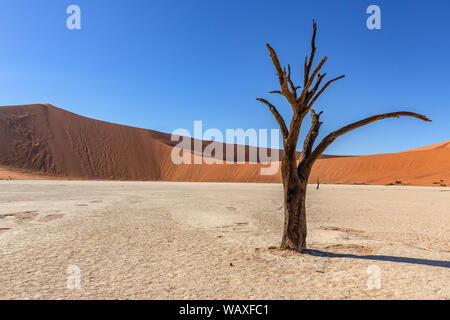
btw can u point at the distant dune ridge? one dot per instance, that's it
(44, 142)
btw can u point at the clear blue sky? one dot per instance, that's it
(163, 64)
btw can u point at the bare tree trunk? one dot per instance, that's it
(295, 232)
(295, 185)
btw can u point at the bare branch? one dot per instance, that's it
(304, 95)
(334, 135)
(313, 51)
(316, 71)
(276, 91)
(306, 76)
(277, 116)
(291, 84)
(294, 131)
(312, 136)
(285, 80)
(313, 100)
(276, 63)
(316, 86)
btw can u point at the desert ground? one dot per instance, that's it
(156, 240)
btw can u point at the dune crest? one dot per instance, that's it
(436, 146)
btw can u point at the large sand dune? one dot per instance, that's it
(42, 142)
(48, 141)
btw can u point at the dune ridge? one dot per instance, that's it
(42, 141)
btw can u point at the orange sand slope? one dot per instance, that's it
(428, 167)
(42, 142)
(48, 141)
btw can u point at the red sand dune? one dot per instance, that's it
(42, 141)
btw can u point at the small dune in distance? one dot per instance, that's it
(45, 142)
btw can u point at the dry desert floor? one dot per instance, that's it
(145, 240)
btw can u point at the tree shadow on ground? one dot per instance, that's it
(425, 262)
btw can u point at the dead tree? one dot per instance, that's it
(295, 173)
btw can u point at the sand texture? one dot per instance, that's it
(154, 240)
(42, 141)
